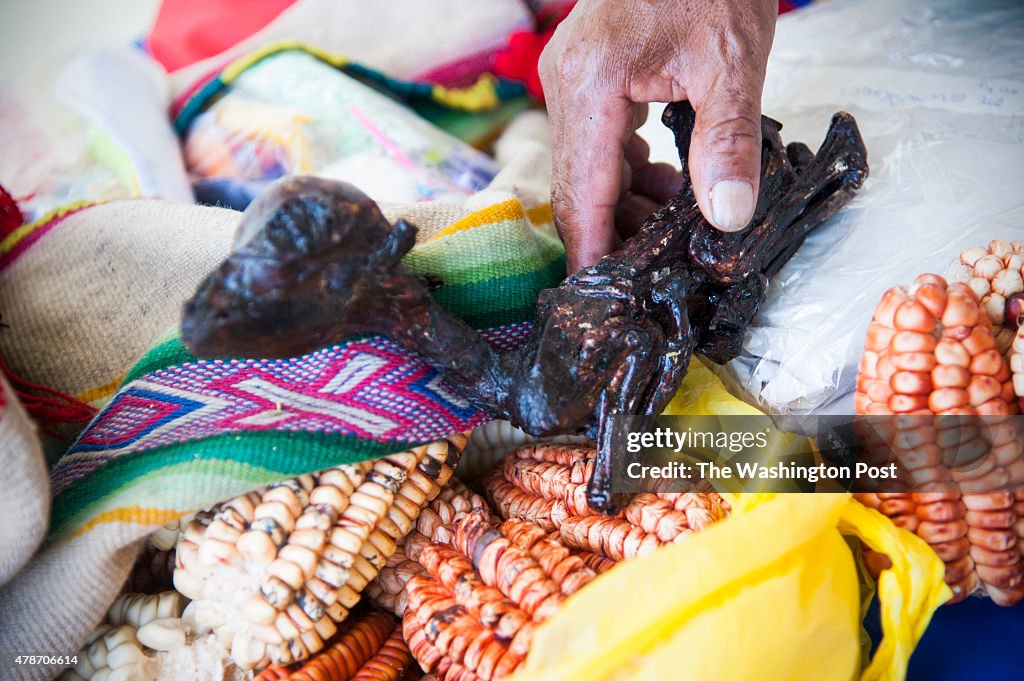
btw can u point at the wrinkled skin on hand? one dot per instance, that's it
(317, 262)
(604, 63)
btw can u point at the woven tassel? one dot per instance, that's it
(46, 406)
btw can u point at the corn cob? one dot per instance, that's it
(154, 568)
(111, 652)
(930, 351)
(153, 571)
(546, 485)
(595, 562)
(978, 536)
(139, 635)
(1016, 360)
(491, 441)
(434, 524)
(165, 537)
(137, 610)
(471, 614)
(272, 572)
(370, 649)
(994, 274)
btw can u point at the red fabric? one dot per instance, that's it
(187, 31)
(518, 61)
(10, 215)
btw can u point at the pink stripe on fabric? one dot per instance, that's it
(389, 144)
(181, 100)
(36, 235)
(461, 73)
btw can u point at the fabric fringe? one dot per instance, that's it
(46, 406)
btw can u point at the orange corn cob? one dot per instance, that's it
(567, 570)
(929, 352)
(371, 649)
(996, 276)
(594, 561)
(472, 614)
(993, 274)
(546, 485)
(434, 524)
(1016, 360)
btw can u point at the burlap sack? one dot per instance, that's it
(105, 285)
(94, 289)
(25, 500)
(87, 298)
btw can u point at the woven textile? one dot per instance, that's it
(362, 398)
(180, 434)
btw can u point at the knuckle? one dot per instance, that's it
(733, 132)
(547, 65)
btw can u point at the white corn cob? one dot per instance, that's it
(273, 572)
(113, 653)
(166, 536)
(490, 442)
(994, 274)
(434, 524)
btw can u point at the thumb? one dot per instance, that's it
(725, 155)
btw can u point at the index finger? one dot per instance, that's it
(586, 175)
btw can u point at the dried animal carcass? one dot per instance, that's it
(316, 262)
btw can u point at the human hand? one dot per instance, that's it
(606, 61)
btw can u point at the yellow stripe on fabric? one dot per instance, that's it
(21, 233)
(541, 214)
(506, 211)
(480, 96)
(102, 392)
(238, 66)
(140, 515)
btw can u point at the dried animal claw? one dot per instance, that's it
(316, 262)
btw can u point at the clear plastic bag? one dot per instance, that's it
(938, 90)
(292, 113)
(88, 128)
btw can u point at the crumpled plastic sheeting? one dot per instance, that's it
(938, 90)
(88, 128)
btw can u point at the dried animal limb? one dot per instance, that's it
(316, 262)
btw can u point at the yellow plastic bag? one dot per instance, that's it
(770, 593)
(702, 395)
